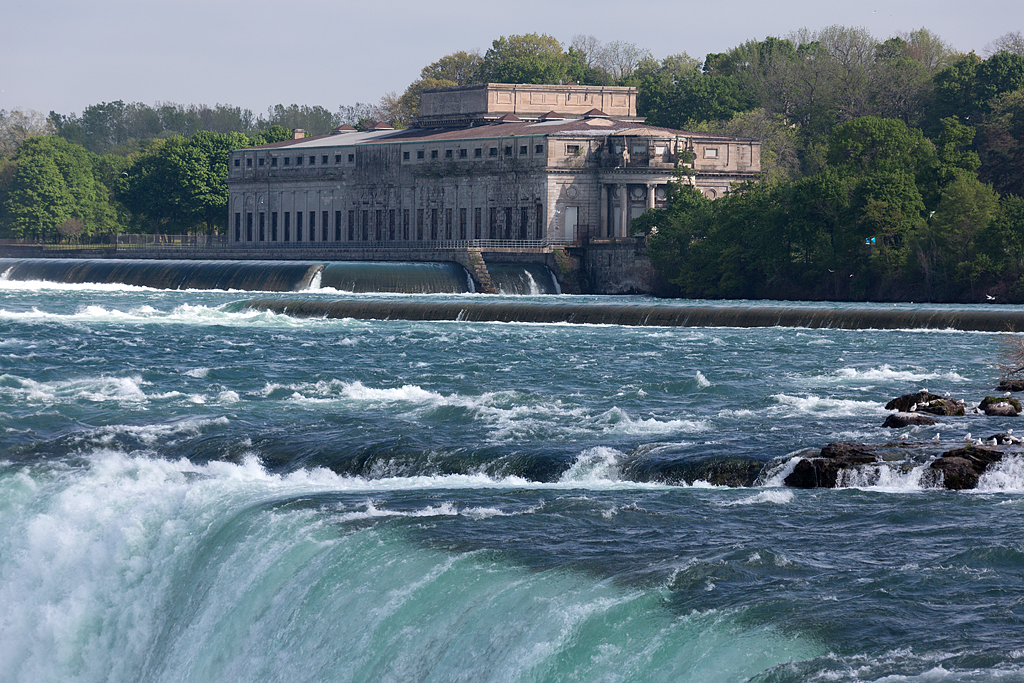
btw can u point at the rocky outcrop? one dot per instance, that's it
(899, 419)
(925, 402)
(1011, 385)
(823, 471)
(962, 467)
(1003, 406)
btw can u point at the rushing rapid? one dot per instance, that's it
(194, 490)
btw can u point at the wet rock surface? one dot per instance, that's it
(962, 467)
(1011, 385)
(1002, 406)
(900, 419)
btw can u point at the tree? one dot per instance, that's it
(17, 126)
(1001, 143)
(528, 58)
(38, 200)
(1012, 42)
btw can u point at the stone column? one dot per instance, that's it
(602, 229)
(650, 195)
(623, 227)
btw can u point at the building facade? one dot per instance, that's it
(520, 164)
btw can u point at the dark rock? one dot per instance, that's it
(823, 471)
(924, 402)
(899, 419)
(1004, 439)
(961, 467)
(1000, 405)
(1011, 385)
(907, 401)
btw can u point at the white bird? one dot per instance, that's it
(1009, 431)
(935, 438)
(947, 394)
(913, 408)
(967, 436)
(1007, 395)
(989, 297)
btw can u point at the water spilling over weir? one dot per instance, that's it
(654, 315)
(280, 276)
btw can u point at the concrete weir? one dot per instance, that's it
(655, 316)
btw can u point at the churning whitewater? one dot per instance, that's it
(194, 490)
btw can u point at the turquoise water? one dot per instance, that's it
(192, 492)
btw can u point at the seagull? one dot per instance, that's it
(989, 297)
(967, 437)
(935, 438)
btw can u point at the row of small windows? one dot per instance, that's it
(478, 153)
(324, 160)
(389, 224)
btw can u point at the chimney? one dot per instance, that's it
(298, 133)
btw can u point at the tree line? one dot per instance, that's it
(891, 168)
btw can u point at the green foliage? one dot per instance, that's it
(1001, 143)
(528, 58)
(38, 199)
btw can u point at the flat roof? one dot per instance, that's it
(582, 128)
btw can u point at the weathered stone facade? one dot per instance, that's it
(515, 164)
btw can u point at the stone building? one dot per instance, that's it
(524, 165)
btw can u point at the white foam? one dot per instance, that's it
(1005, 475)
(828, 406)
(702, 381)
(886, 373)
(97, 389)
(770, 497)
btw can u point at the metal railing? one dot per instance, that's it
(148, 242)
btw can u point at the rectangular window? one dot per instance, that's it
(492, 230)
(433, 154)
(312, 226)
(238, 227)
(419, 154)
(477, 222)
(405, 224)
(337, 158)
(419, 224)
(508, 150)
(639, 149)
(298, 226)
(463, 153)
(366, 225)
(261, 161)
(391, 224)
(351, 226)
(273, 161)
(447, 154)
(323, 159)
(263, 226)
(287, 160)
(337, 226)
(238, 162)
(312, 160)
(447, 224)
(572, 150)
(508, 222)
(351, 158)
(478, 152)
(379, 225)
(405, 156)
(323, 225)
(298, 162)
(540, 222)
(287, 226)
(248, 163)
(462, 224)
(493, 152)
(523, 149)
(248, 227)
(273, 226)
(661, 150)
(433, 224)
(539, 149)
(524, 223)
(711, 153)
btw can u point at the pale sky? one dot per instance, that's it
(62, 55)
